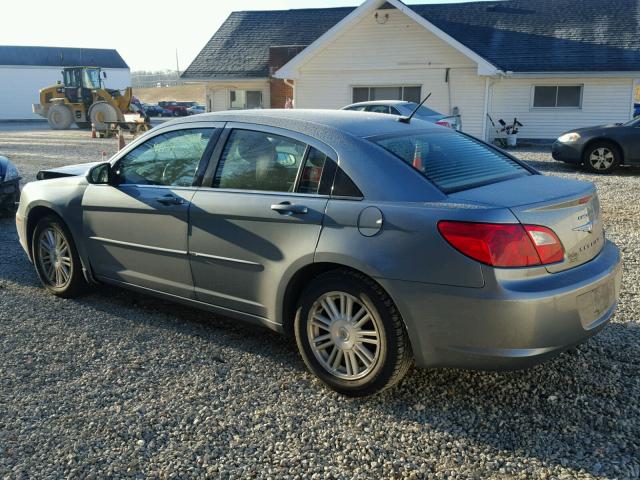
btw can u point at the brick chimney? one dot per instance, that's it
(279, 55)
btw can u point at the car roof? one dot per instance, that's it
(324, 125)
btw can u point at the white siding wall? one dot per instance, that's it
(20, 87)
(400, 52)
(604, 100)
(219, 93)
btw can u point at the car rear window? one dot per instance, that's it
(452, 161)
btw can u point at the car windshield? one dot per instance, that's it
(91, 78)
(424, 111)
(634, 122)
(452, 161)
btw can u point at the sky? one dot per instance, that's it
(146, 33)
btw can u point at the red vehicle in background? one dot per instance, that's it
(178, 109)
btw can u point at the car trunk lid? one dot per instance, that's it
(569, 207)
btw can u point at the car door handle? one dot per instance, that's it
(170, 200)
(288, 208)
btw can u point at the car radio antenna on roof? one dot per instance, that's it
(404, 119)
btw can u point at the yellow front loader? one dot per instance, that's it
(81, 99)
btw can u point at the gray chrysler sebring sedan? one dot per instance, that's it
(374, 242)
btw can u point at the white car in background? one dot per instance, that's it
(404, 108)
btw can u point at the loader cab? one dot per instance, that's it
(79, 82)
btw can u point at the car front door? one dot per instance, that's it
(136, 226)
(260, 217)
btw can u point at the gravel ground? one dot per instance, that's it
(119, 384)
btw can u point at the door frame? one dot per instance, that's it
(219, 129)
(209, 174)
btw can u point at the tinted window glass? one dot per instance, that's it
(452, 161)
(557, 96)
(259, 161)
(569, 96)
(427, 112)
(377, 109)
(386, 93)
(360, 94)
(343, 186)
(544, 97)
(312, 171)
(170, 159)
(412, 94)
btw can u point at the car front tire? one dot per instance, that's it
(350, 334)
(56, 258)
(602, 157)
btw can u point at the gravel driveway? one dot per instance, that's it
(119, 384)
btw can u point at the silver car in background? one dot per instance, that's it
(375, 243)
(402, 108)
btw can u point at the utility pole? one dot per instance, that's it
(177, 64)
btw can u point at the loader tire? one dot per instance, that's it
(59, 117)
(101, 113)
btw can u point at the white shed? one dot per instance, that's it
(25, 70)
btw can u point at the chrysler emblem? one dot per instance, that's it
(587, 227)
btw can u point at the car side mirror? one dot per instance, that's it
(104, 74)
(100, 174)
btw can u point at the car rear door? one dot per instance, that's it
(136, 227)
(259, 217)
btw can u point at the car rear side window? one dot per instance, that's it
(259, 161)
(452, 161)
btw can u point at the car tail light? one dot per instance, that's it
(503, 245)
(547, 244)
(444, 123)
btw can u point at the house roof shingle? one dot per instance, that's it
(60, 57)
(513, 35)
(240, 48)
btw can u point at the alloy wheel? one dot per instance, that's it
(344, 335)
(55, 257)
(601, 158)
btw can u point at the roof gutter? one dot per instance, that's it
(592, 74)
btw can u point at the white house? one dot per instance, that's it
(553, 64)
(25, 70)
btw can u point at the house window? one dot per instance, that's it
(565, 96)
(245, 99)
(409, 93)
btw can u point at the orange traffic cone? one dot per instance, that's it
(120, 139)
(417, 157)
(93, 130)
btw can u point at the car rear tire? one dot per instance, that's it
(350, 334)
(602, 157)
(59, 117)
(56, 258)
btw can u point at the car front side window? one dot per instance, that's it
(169, 159)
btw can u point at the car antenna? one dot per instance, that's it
(404, 119)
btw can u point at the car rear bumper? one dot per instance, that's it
(509, 324)
(567, 152)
